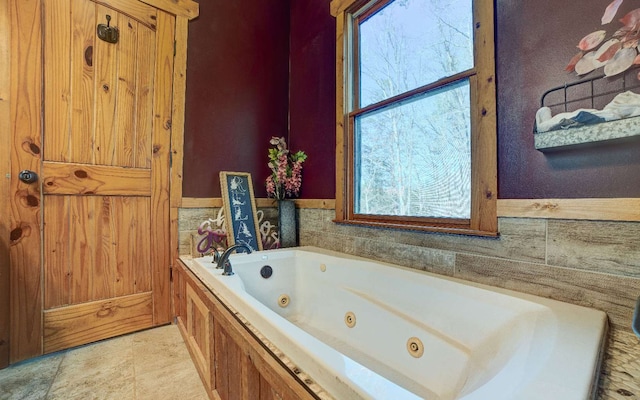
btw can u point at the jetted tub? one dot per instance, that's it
(370, 330)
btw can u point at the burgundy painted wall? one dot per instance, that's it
(312, 106)
(237, 91)
(238, 81)
(535, 41)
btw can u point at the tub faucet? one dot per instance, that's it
(223, 261)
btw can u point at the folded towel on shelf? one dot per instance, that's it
(624, 105)
(566, 120)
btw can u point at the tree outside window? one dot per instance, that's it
(414, 115)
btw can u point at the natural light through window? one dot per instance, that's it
(410, 43)
(413, 156)
(416, 135)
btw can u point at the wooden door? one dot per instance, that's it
(102, 156)
(107, 112)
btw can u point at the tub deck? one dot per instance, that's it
(478, 342)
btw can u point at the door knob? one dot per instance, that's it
(27, 176)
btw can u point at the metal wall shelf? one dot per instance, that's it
(588, 135)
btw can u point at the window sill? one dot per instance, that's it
(440, 228)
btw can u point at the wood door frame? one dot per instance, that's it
(5, 171)
(21, 84)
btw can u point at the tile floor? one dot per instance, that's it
(153, 364)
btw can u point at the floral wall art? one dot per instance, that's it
(614, 48)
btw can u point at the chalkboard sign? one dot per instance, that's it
(240, 210)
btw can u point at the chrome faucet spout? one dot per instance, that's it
(223, 261)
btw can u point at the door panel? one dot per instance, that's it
(105, 171)
(94, 122)
(57, 42)
(146, 49)
(87, 322)
(57, 262)
(98, 95)
(82, 81)
(96, 247)
(83, 179)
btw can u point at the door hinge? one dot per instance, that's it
(170, 273)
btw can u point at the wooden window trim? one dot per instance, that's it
(483, 221)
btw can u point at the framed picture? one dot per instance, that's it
(240, 210)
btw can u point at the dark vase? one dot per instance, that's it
(287, 223)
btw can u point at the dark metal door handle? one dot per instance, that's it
(27, 176)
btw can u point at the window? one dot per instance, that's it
(416, 123)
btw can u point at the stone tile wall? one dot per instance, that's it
(593, 264)
(590, 263)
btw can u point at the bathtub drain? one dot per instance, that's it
(415, 347)
(350, 319)
(266, 271)
(283, 300)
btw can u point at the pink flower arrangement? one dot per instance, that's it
(286, 170)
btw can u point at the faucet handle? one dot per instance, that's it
(227, 268)
(215, 255)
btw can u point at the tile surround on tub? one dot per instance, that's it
(610, 293)
(609, 247)
(520, 239)
(590, 263)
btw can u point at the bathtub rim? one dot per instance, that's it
(291, 366)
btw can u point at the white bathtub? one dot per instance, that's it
(478, 342)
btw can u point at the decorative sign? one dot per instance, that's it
(240, 209)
